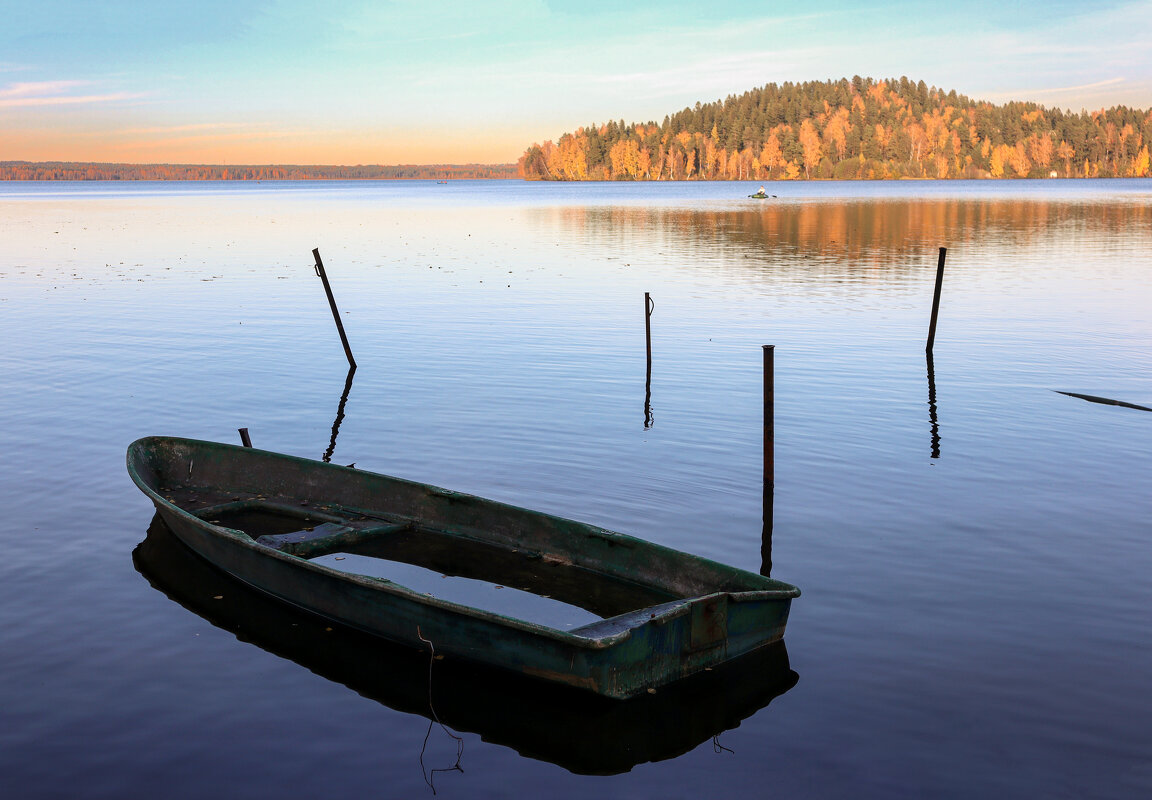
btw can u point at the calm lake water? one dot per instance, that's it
(974, 547)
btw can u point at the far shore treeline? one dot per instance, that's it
(852, 129)
(848, 129)
(83, 171)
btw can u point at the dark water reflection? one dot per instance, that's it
(933, 420)
(339, 414)
(583, 733)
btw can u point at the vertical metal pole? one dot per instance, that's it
(769, 414)
(769, 457)
(332, 302)
(936, 299)
(648, 307)
(245, 439)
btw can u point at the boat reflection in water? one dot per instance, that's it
(580, 731)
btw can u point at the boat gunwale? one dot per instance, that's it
(237, 537)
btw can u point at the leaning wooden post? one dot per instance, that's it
(245, 439)
(769, 457)
(332, 302)
(936, 299)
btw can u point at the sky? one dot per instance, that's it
(432, 81)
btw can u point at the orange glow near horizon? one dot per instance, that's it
(219, 145)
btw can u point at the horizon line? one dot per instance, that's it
(254, 164)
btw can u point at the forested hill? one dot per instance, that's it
(858, 128)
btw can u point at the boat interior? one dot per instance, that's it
(450, 565)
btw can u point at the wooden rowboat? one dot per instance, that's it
(286, 525)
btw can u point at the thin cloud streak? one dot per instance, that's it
(52, 93)
(39, 88)
(1082, 88)
(201, 126)
(68, 100)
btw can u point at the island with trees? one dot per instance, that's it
(859, 128)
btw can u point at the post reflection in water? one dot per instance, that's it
(766, 535)
(581, 732)
(649, 420)
(339, 414)
(932, 420)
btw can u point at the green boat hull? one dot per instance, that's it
(262, 516)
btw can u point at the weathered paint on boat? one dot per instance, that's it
(260, 516)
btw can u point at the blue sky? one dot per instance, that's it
(424, 81)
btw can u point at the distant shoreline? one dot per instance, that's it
(93, 171)
(112, 171)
